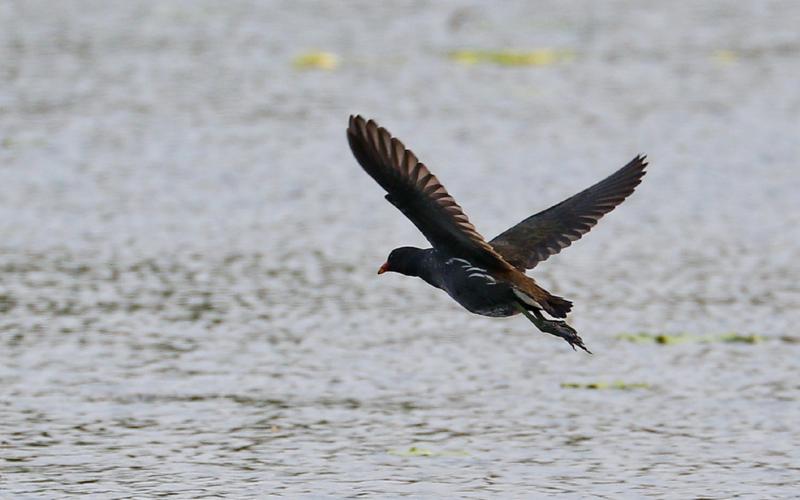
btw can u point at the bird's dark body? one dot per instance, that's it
(470, 285)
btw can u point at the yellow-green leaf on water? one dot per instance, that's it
(743, 339)
(465, 57)
(639, 338)
(538, 57)
(618, 385)
(680, 338)
(724, 56)
(674, 339)
(316, 60)
(661, 338)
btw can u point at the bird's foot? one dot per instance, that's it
(566, 332)
(554, 327)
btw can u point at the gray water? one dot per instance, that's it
(188, 298)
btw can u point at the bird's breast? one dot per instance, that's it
(476, 289)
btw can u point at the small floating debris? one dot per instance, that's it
(741, 339)
(317, 60)
(599, 386)
(415, 451)
(539, 57)
(724, 56)
(681, 338)
(661, 338)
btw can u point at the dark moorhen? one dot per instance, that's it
(486, 278)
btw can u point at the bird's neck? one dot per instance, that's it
(428, 268)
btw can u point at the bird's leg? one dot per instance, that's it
(553, 327)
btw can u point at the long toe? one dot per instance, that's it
(566, 332)
(554, 327)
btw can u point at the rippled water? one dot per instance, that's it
(188, 302)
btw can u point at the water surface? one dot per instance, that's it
(188, 304)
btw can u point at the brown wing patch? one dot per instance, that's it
(416, 191)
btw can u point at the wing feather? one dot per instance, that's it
(548, 232)
(413, 189)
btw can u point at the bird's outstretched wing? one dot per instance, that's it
(416, 192)
(544, 234)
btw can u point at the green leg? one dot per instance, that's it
(553, 327)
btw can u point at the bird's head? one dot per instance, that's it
(403, 260)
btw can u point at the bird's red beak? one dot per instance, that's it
(383, 268)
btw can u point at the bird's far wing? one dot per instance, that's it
(548, 232)
(416, 192)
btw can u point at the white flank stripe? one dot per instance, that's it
(525, 298)
(456, 259)
(484, 277)
(478, 269)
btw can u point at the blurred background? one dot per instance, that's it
(188, 299)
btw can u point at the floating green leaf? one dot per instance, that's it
(680, 338)
(725, 56)
(618, 385)
(316, 60)
(738, 338)
(538, 57)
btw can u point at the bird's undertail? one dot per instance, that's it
(532, 299)
(536, 297)
(557, 307)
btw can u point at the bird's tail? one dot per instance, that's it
(557, 307)
(536, 297)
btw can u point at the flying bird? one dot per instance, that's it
(485, 277)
